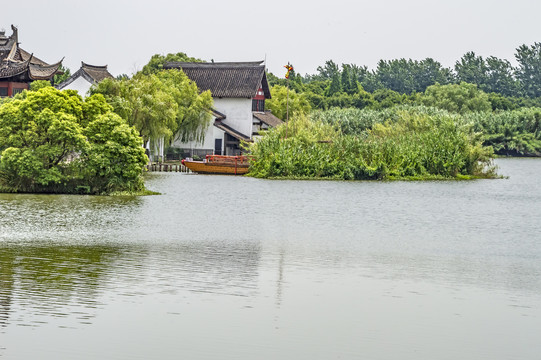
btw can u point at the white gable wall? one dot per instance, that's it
(238, 113)
(239, 116)
(208, 143)
(80, 84)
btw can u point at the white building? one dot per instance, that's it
(239, 91)
(84, 78)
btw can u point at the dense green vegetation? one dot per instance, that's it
(498, 100)
(163, 104)
(402, 143)
(55, 142)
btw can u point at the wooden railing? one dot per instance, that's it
(228, 160)
(168, 168)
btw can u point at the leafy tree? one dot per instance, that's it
(459, 98)
(278, 104)
(161, 105)
(349, 80)
(63, 76)
(193, 116)
(385, 98)
(114, 156)
(47, 140)
(500, 102)
(490, 75)
(335, 86)
(328, 71)
(396, 75)
(528, 71)
(143, 102)
(500, 77)
(471, 69)
(157, 61)
(39, 84)
(408, 76)
(428, 72)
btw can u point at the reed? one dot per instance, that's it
(392, 144)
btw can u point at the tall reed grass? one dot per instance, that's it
(400, 144)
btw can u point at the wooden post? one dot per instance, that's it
(287, 105)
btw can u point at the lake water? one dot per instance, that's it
(221, 267)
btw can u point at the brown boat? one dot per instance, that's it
(219, 164)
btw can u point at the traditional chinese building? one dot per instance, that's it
(239, 91)
(18, 68)
(84, 78)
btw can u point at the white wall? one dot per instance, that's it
(238, 113)
(80, 84)
(212, 133)
(239, 116)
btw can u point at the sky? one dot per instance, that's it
(125, 34)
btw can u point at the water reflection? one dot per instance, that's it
(42, 282)
(46, 218)
(75, 282)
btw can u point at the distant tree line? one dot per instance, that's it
(399, 81)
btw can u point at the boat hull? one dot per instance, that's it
(210, 168)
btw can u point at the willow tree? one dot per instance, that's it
(163, 105)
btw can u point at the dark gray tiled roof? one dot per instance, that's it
(92, 74)
(268, 118)
(226, 79)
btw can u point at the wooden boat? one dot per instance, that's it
(219, 164)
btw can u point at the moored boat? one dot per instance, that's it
(219, 164)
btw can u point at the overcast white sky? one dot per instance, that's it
(125, 33)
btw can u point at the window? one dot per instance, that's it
(17, 91)
(258, 105)
(3, 91)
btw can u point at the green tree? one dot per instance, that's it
(278, 104)
(157, 61)
(459, 98)
(408, 76)
(114, 156)
(39, 84)
(500, 77)
(46, 141)
(471, 69)
(528, 71)
(328, 71)
(63, 75)
(161, 105)
(385, 98)
(335, 86)
(349, 80)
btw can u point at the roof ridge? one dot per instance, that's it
(101, 67)
(211, 64)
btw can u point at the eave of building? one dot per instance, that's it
(229, 130)
(267, 118)
(42, 72)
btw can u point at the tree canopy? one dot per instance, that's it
(157, 61)
(56, 142)
(162, 104)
